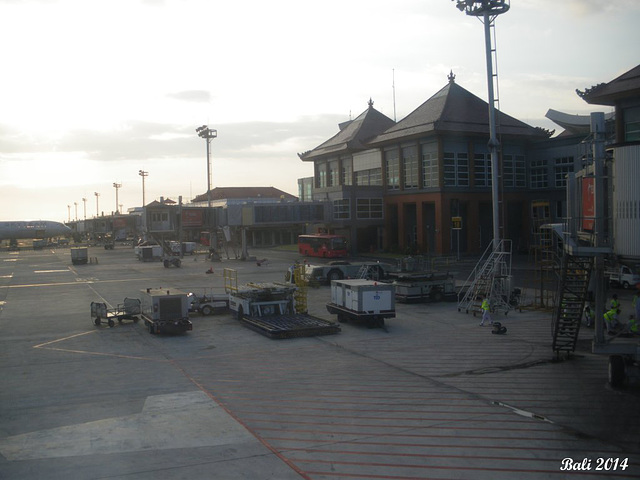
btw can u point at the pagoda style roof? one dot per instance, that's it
(245, 193)
(353, 135)
(454, 109)
(625, 86)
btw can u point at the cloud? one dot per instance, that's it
(199, 96)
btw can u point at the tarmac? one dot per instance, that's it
(435, 396)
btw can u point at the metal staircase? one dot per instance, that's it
(572, 293)
(491, 277)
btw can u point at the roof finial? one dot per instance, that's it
(370, 103)
(451, 77)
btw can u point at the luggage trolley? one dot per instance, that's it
(129, 310)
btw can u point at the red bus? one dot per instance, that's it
(319, 245)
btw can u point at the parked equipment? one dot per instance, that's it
(271, 309)
(129, 310)
(338, 270)
(79, 255)
(165, 310)
(424, 287)
(362, 300)
(208, 303)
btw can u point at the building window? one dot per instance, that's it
(392, 163)
(308, 191)
(410, 166)
(482, 169)
(321, 175)
(539, 177)
(631, 118)
(371, 177)
(563, 167)
(369, 208)
(342, 209)
(429, 168)
(347, 172)
(332, 178)
(456, 169)
(514, 171)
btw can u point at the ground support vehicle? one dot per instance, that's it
(624, 358)
(79, 255)
(269, 309)
(128, 310)
(366, 301)
(424, 287)
(341, 270)
(622, 276)
(148, 253)
(165, 310)
(208, 303)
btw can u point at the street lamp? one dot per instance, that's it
(208, 134)
(69, 213)
(117, 186)
(143, 174)
(76, 205)
(97, 208)
(487, 11)
(84, 201)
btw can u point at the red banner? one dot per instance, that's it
(192, 218)
(588, 203)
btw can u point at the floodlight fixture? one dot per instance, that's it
(208, 134)
(143, 174)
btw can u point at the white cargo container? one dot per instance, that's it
(364, 300)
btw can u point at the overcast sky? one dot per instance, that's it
(95, 90)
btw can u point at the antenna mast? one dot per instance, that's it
(393, 86)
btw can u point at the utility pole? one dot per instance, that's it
(117, 186)
(143, 174)
(97, 206)
(84, 201)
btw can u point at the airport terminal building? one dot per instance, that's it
(404, 186)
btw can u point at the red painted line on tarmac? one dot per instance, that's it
(266, 444)
(429, 445)
(367, 417)
(435, 427)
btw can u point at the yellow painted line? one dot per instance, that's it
(45, 346)
(51, 271)
(79, 281)
(63, 339)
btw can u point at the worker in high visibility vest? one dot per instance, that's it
(610, 320)
(486, 311)
(614, 304)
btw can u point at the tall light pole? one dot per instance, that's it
(76, 205)
(208, 134)
(69, 213)
(84, 201)
(143, 174)
(97, 207)
(487, 11)
(117, 186)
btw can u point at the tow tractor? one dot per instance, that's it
(208, 302)
(129, 310)
(272, 310)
